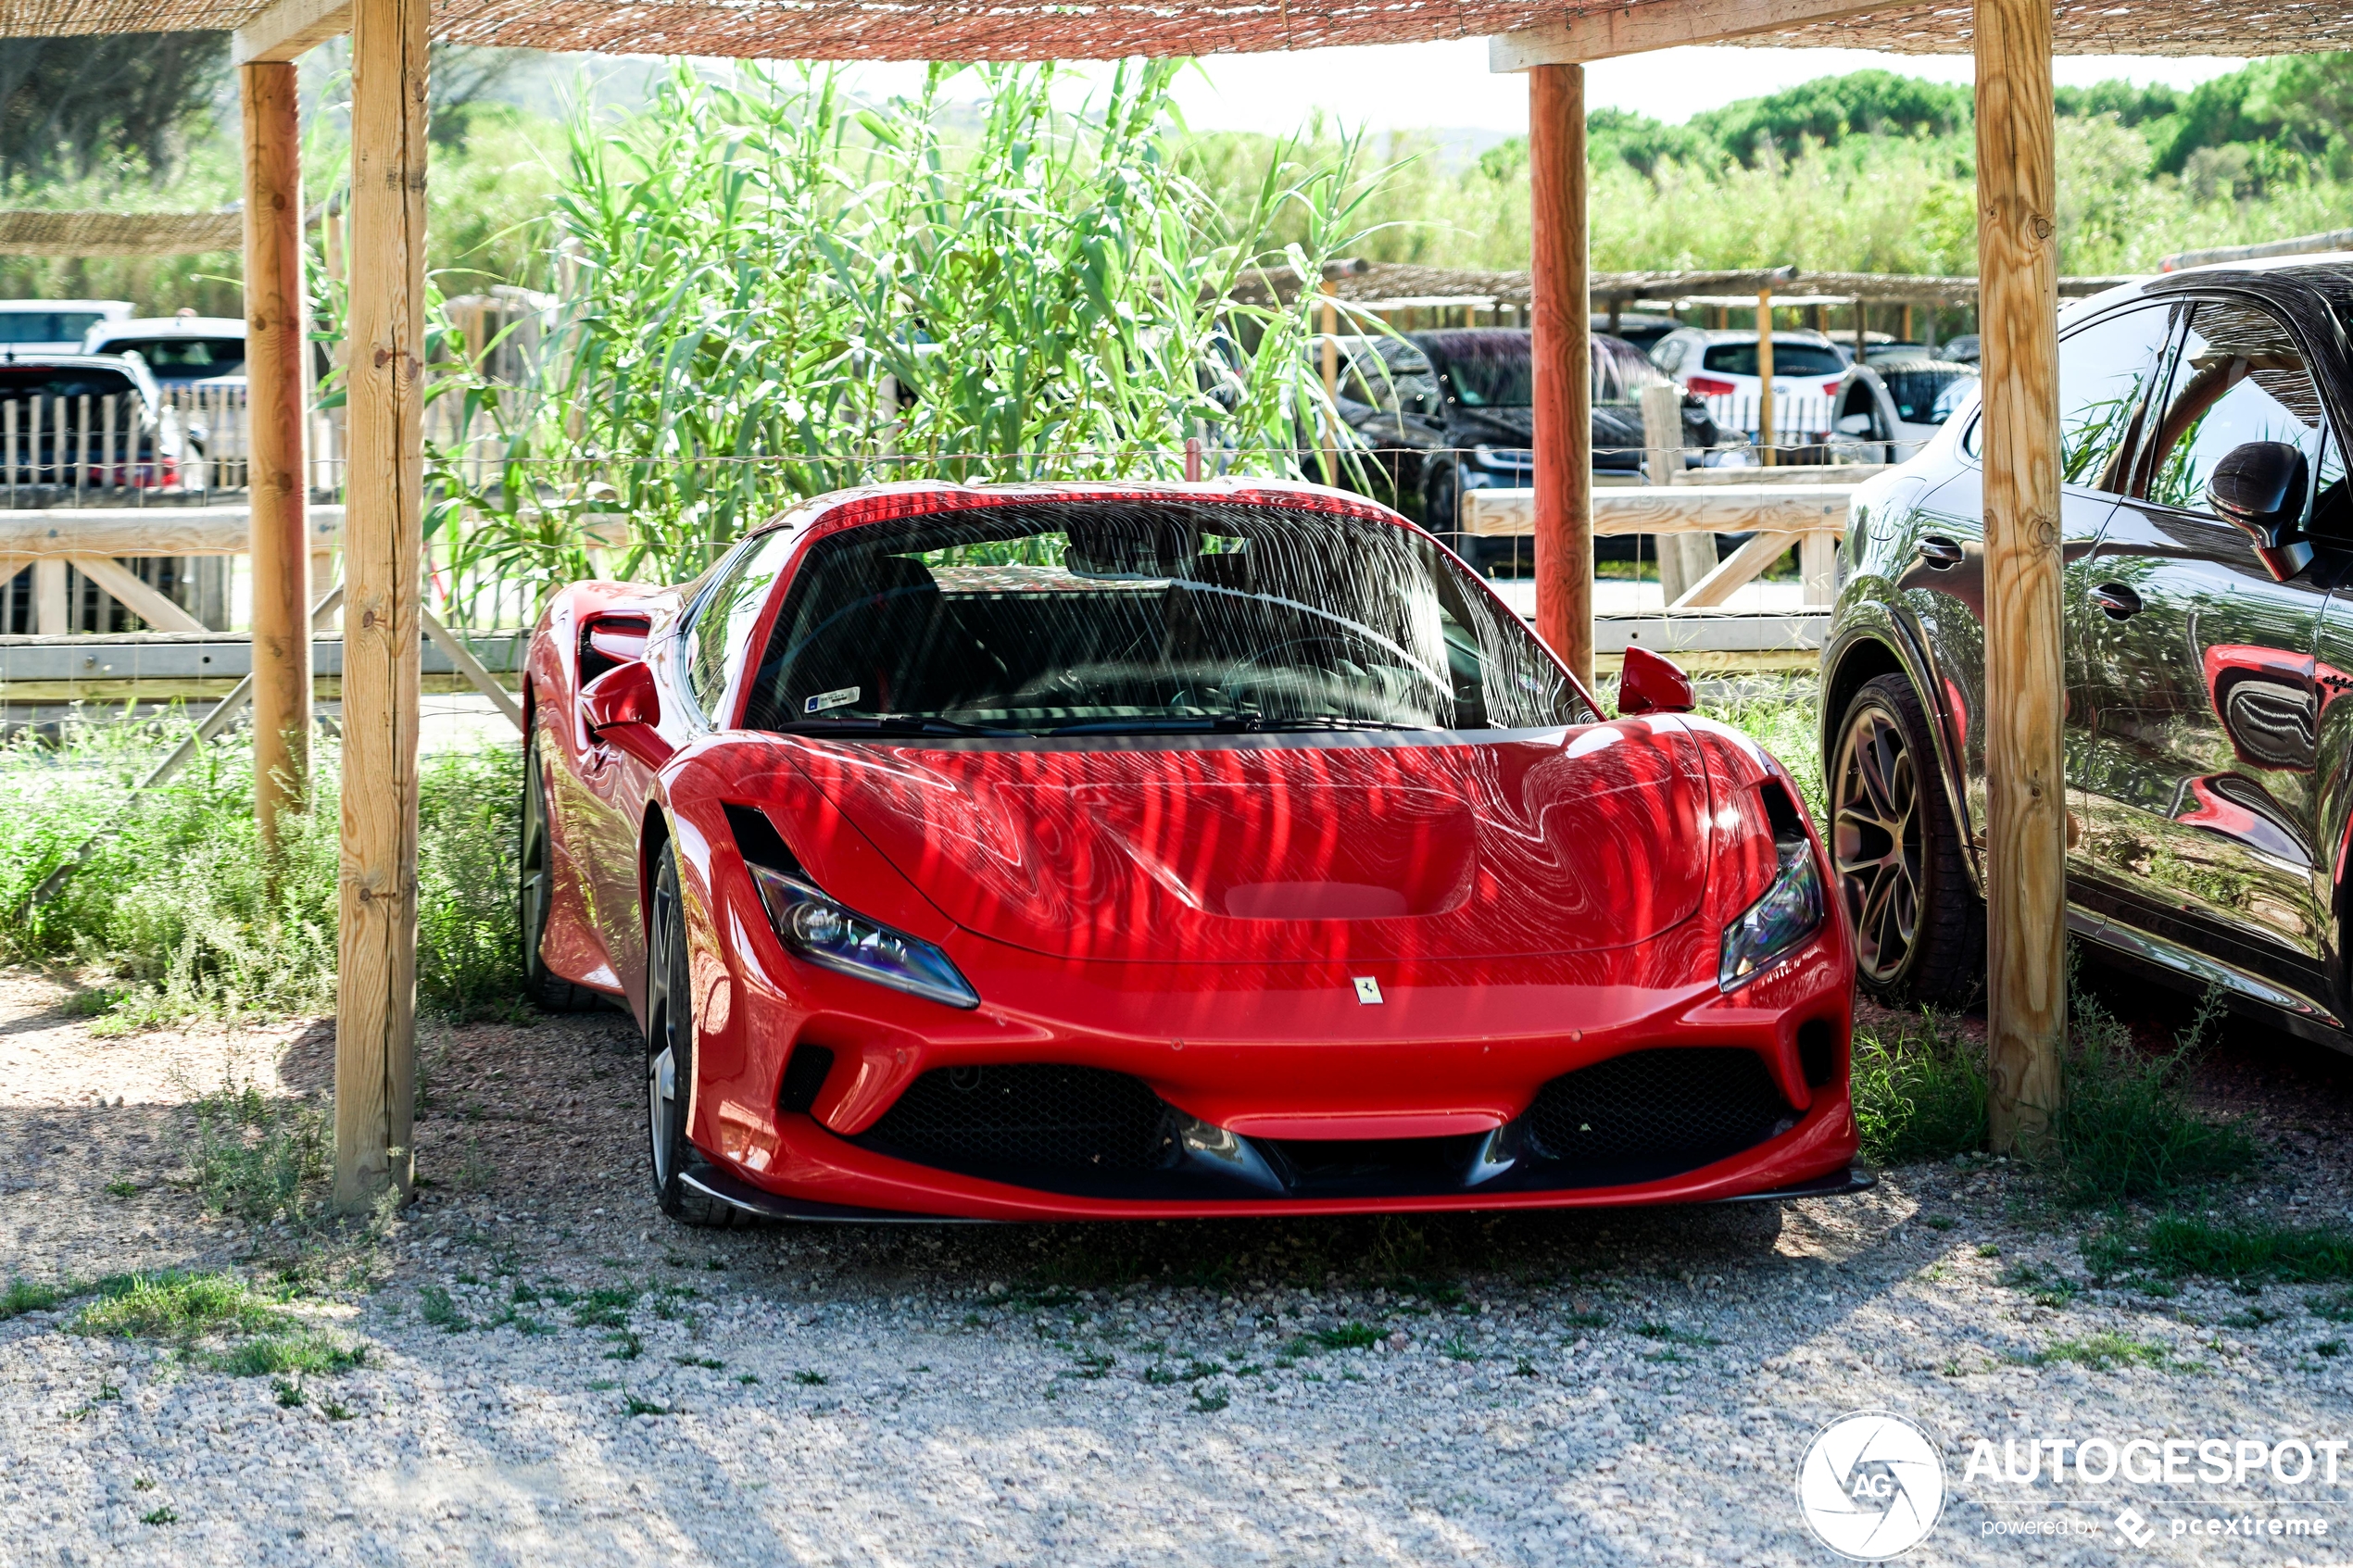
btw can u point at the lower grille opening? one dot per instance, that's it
(805, 1077)
(1025, 1119)
(1655, 1114)
(1816, 1052)
(1088, 1131)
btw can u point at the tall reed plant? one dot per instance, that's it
(772, 292)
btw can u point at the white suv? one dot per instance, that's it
(1720, 366)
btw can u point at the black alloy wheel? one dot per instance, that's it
(1920, 926)
(670, 1059)
(536, 890)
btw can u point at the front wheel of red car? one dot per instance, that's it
(1920, 926)
(669, 1057)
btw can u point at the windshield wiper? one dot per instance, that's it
(893, 724)
(1224, 723)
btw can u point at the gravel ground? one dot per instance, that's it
(554, 1374)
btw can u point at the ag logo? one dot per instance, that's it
(1871, 1485)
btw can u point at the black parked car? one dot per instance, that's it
(1450, 412)
(2209, 629)
(62, 406)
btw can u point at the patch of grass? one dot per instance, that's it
(1458, 1349)
(1919, 1094)
(1196, 1371)
(188, 918)
(605, 1306)
(2126, 1130)
(175, 1305)
(1939, 1221)
(748, 1378)
(122, 1190)
(1988, 1249)
(626, 1347)
(2330, 1348)
(811, 1379)
(2252, 1317)
(2044, 1287)
(632, 1405)
(1097, 1365)
(1209, 1401)
(289, 1392)
(2182, 1246)
(434, 1305)
(302, 1352)
(2102, 1352)
(2336, 1306)
(1348, 1337)
(1160, 1376)
(258, 1156)
(24, 1295)
(1584, 1320)
(706, 1363)
(163, 1516)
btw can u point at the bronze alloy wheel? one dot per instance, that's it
(1875, 841)
(1899, 856)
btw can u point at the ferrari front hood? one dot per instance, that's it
(1316, 848)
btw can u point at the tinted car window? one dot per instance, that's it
(2238, 378)
(1621, 371)
(1924, 390)
(1670, 353)
(1789, 358)
(1151, 618)
(2104, 370)
(45, 326)
(17, 383)
(726, 613)
(180, 357)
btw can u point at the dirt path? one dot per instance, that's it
(1626, 1387)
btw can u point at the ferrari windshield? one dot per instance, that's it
(1146, 617)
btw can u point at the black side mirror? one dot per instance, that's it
(2261, 488)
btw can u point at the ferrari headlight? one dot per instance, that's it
(813, 927)
(1789, 913)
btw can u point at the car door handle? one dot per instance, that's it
(1942, 554)
(2116, 601)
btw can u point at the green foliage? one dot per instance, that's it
(1919, 1094)
(24, 1295)
(2126, 1129)
(258, 1156)
(780, 294)
(2179, 1246)
(1830, 108)
(180, 907)
(301, 1352)
(175, 1305)
(2103, 1352)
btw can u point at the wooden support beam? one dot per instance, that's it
(376, 997)
(1656, 24)
(288, 29)
(52, 616)
(2025, 766)
(1765, 448)
(1684, 508)
(1562, 353)
(277, 334)
(1734, 571)
(137, 596)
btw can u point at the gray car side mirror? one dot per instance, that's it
(2261, 488)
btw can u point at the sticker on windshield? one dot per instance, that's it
(841, 697)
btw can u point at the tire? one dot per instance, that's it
(1896, 853)
(534, 892)
(670, 1062)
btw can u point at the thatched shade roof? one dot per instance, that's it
(1388, 284)
(915, 29)
(119, 233)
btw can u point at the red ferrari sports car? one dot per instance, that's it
(1061, 851)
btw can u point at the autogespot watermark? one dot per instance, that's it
(1872, 1486)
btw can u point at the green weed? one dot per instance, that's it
(175, 1305)
(2102, 1352)
(24, 1295)
(436, 1305)
(1348, 1337)
(809, 1379)
(2126, 1130)
(302, 1352)
(2179, 1246)
(258, 1156)
(1919, 1094)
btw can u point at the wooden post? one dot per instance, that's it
(52, 613)
(1907, 321)
(375, 1013)
(1862, 322)
(1562, 351)
(1684, 559)
(277, 323)
(1765, 376)
(2025, 771)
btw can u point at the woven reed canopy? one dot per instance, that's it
(915, 29)
(1397, 285)
(120, 234)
